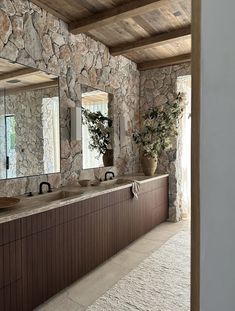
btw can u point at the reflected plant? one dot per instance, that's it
(100, 129)
(160, 124)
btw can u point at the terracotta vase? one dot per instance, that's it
(108, 158)
(149, 165)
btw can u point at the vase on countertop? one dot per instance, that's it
(149, 164)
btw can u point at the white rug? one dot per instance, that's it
(160, 283)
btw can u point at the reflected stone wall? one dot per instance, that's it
(27, 109)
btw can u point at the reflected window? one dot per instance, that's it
(97, 128)
(2, 144)
(11, 146)
(94, 102)
(51, 138)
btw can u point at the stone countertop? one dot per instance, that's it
(41, 203)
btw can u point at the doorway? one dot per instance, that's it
(184, 147)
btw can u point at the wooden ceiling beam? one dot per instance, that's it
(17, 74)
(116, 14)
(50, 10)
(154, 41)
(37, 86)
(153, 64)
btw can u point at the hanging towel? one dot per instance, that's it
(135, 189)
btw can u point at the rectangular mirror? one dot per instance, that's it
(29, 121)
(97, 128)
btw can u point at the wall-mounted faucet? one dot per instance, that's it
(44, 183)
(107, 173)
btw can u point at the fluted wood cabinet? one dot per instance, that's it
(43, 253)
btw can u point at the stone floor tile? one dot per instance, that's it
(128, 259)
(60, 302)
(144, 246)
(96, 283)
(159, 236)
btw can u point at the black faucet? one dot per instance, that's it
(44, 183)
(109, 172)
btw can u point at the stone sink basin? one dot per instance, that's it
(59, 195)
(6, 202)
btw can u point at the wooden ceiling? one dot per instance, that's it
(94, 97)
(145, 31)
(16, 77)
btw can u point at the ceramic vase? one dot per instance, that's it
(149, 165)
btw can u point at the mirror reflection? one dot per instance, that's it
(97, 128)
(2, 137)
(29, 122)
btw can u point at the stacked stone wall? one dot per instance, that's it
(33, 37)
(157, 87)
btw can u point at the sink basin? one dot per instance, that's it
(6, 202)
(118, 181)
(59, 195)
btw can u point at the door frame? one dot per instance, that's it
(195, 157)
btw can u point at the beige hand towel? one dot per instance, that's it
(135, 189)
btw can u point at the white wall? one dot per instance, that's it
(218, 156)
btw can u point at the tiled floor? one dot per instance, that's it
(84, 292)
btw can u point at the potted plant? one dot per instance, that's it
(100, 129)
(159, 125)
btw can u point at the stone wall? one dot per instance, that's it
(157, 87)
(33, 37)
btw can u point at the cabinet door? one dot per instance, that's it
(10, 276)
(160, 205)
(46, 264)
(123, 215)
(11, 297)
(33, 268)
(97, 242)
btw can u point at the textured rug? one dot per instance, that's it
(160, 283)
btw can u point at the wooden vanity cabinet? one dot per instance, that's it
(43, 253)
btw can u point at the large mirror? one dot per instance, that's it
(29, 121)
(97, 128)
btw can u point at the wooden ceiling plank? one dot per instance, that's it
(51, 10)
(153, 64)
(17, 74)
(150, 42)
(116, 14)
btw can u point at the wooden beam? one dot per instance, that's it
(116, 14)
(37, 86)
(152, 64)
(50, 10)
(17, 74)
(150, 42)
